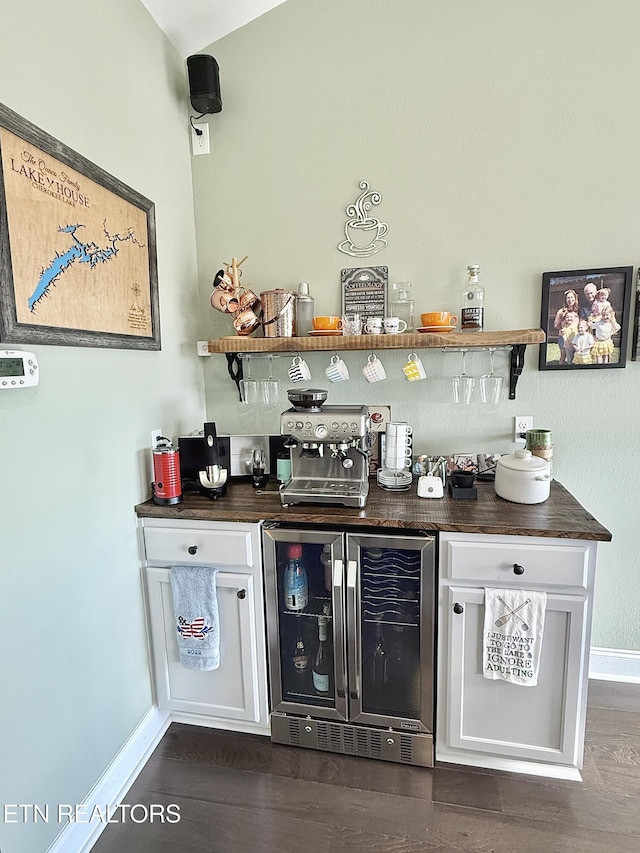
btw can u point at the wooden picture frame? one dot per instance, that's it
(78, 262)
(635, 347)
(584, 332)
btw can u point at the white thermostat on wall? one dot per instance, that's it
(18, 369)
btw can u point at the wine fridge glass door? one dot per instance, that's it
(390, 585)
(304, 578)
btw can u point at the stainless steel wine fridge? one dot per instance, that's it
(350, 620)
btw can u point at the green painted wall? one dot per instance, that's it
(101, 78)
(503, 134)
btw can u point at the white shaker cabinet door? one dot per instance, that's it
(233, 691)
(540, 723)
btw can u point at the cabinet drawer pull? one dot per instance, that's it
(458, 608)
(241, 593)
(192, 549)
(518, 569)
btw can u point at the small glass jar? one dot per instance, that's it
(402, 303)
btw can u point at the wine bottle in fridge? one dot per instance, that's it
(300, 656)
(380, 660)
(322, 661)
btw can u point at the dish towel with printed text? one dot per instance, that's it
(195, 609)
(512, 640)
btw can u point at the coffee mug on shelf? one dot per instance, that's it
(438, 318)
(246, 321)
(394, 325)
(373, 326)
(248, 299)
(299, 370)
(374, 369)
(326, 324)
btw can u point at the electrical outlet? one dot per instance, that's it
(202, 348)
(155, 435)
(200, 141)
(521, 423)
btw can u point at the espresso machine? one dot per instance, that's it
(329, 462)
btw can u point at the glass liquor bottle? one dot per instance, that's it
(322, 661)
(472, 311)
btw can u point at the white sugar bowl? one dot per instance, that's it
(523, 478)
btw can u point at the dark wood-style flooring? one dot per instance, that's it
(239, 792)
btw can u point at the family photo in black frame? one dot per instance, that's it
(586, 317)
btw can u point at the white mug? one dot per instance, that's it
(393, 325)
(374, 369)
(392, 442)
(373, 326)
(337, 371)
(398, 428)
(299, 370)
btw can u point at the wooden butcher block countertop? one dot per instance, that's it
(561, 516)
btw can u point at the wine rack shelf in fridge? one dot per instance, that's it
(368, 606)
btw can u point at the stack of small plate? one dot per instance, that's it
(395, 480)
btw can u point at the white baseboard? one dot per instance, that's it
(112, 786)
(615, 665)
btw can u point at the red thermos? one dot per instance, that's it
(167, 486)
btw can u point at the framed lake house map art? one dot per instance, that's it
(78, 260)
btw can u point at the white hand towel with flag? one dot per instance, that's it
(512, 640)
(195, 608)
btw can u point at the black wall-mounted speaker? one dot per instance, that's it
(204, 83)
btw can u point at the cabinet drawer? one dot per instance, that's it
(551, 565)
(476, 561)
(167, 545)
(492, 561)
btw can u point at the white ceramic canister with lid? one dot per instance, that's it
(523, 478)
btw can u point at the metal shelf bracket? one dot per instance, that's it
(517, 363)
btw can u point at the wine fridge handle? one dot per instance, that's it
(338, 640)
(352, 614)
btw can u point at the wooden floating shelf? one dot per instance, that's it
(406, 341)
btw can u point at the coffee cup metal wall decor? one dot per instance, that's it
(364, 234)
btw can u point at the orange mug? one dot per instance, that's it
(439, 318)
(327, 324)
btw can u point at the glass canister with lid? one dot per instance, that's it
(402, 303)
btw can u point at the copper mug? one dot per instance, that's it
(246, 322)
(248, 299)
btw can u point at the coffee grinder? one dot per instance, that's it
(213, 479)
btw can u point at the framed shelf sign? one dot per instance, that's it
(364, 291)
